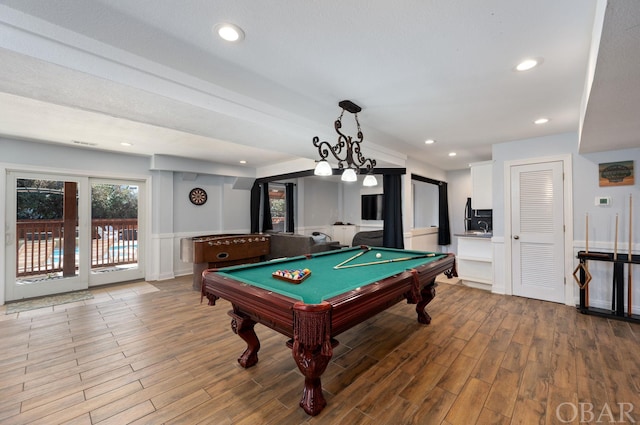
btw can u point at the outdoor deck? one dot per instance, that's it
(40, 247)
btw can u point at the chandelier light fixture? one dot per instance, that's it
(346, 151)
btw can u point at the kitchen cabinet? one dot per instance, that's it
(344, 233)
(475, 261)
(481, 183)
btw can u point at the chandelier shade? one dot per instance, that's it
(370, 180)
(346, 151)
(349, 175)
(323, 168)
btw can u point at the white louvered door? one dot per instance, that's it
(537, 231)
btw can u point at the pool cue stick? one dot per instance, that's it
(352, 258)
(615, 243)
(629, 258)
(586, 263)
(394, 260)
(615, 275)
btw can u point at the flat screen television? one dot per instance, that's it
(372, 208)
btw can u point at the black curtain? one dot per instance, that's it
(290, 213)
(266, 209)
(254, 206)
(392, 234)
(444, 231)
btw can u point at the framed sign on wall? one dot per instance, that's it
(616, 173)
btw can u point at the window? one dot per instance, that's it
(277, 203)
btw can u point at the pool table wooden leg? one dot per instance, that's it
(427, 293)
(312, 349)
(452, 272)
(312, 362)
(243, 327)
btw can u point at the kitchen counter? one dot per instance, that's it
(475, 259)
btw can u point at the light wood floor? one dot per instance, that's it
(141, 357)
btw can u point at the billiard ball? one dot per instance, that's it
(378, 255)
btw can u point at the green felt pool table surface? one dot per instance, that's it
(326, 281)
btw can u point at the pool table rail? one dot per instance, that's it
(276, 314)
(354, 307)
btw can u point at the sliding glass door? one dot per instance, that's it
(116, 231)
(47, 237)
(67, 233)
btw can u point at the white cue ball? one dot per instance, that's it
(378, 255)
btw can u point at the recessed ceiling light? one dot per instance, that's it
(429, 141)
(229, 32)
(541, 121)
(125, 144)
(452, 154)
(242, 161)
(528, 64)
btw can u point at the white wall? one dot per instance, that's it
(210, 217)
(321, 203)
(459, 185)
(237, 219)
(601, 218)
(424, 170)
(196, 218)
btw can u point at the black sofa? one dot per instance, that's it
(368, 237)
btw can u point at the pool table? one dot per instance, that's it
(329, 301)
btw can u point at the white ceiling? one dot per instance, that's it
(152, 73)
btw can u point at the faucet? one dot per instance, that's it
(485, 229)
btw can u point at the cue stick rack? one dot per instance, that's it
(583, 277)
(617, 310)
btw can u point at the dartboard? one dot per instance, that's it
(198, 196)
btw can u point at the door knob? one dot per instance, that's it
(516, 237)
